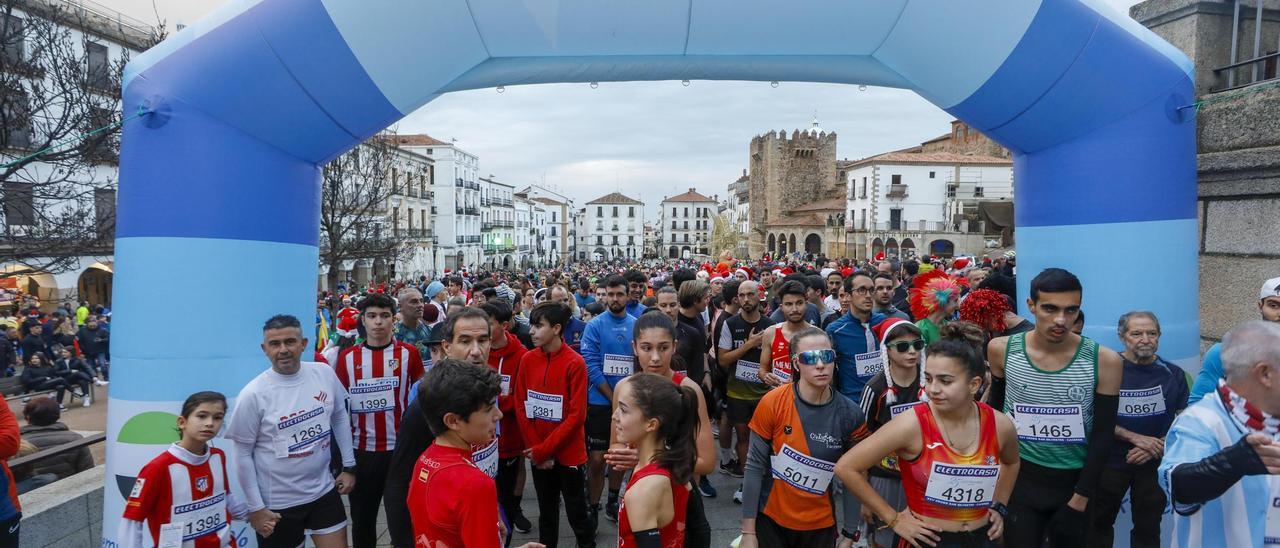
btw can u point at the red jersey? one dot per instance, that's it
(506, 361)
(452, 504)
(178, 487)
(943, 484)
(780, 355)
(551, 405)
(672, 534)
(377, 382)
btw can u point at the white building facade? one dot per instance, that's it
(498, 223)
(917, 203)
(100, 39)
(686, 222)
(559, 234)
(614, 225)
(413, 214)
(457, 201)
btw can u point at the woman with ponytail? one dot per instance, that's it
(897, 389)
(660, 419)
(654, 345)
(957, 457)
(798, 432)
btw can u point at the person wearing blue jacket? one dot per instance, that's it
(606, 347)
(858, 357)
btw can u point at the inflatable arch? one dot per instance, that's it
(245, 105)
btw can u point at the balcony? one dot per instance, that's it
(433, 210)
(472, 210)
(897, 191)
(473, 239)
(473, 186)
(457, 210)
(955, 227)
(524, 247)
(458, 182)
(507, 224)
(486, 226)
(461, 239)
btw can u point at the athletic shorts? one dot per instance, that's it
(599, 419)
(318, 517)
(740, 411)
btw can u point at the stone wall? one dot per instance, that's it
(1238, 155)
(785, 173)
(66, 513)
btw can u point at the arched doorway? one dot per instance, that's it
(782, 244)
(813, 244)
(942, 248)
(773, 244)
(506, 262)
(94, 285)
(791, 244)
(673, 253)
(877, 247)
(891, 247)
(907, 248)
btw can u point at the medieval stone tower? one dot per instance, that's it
(786, 173)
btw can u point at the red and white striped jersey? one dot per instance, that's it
(377, 382)
(177, 487)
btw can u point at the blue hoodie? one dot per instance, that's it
(605, 334)
(634, 309)
(851, 337)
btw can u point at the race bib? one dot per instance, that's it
(801, 471)
(170, 535)
(486, 458)
(1271, 536)
(782, 369)
(962, 485)
(506, 385)
(868, 364)
(374, 395)
(618, 365)
(295, 435)
(202, 517)
(1049, 423)
(896, 410)
(544, 407)
(747, 372)
(1146, 402)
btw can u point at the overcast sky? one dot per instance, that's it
(648, 139)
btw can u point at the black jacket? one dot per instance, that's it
(63, 465)
(94, 341)
(32, 376)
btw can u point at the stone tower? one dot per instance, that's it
(786, 173)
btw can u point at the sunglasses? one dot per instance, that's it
(917, 344)
(815, 357)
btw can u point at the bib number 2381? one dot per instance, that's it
(1050, 423)
(544, 407)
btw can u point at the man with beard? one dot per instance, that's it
(606, 349)
(1211, 370)
(885, 285)
(740, 343)
(858, 356)
(776, 343)
(1152, 392)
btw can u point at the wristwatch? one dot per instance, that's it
(851, 536)
(349, 470)
(1000, 508)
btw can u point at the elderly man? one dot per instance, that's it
(1222, 455)
(1152, 392)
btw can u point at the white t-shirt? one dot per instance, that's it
(282, 428)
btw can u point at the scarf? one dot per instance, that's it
(1254, 419)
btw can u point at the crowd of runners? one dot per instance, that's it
(908, 391)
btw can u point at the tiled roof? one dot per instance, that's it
(418, 140)
(615, 198)
(931, 158)
(548, 201)
(691, 196)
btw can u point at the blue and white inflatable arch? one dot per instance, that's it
(219, 187)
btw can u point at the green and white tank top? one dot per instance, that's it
(1052, 410)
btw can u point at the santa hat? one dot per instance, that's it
(885, 330)
(847, 271)
(880, 256)
(347, 326)
(722, 268)
(717, 280)
(745, 271)
(960, 264)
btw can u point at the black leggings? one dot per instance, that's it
(769, 533)
(569, 482)
(976, 538)
(50, 383)
(1038, 494)
(9, 532)
(77, 378)
(697, 531)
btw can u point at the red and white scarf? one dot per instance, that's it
(1254, 419)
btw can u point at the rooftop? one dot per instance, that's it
(615, 198)
(914, 156)
(419, 140)
(690, 196)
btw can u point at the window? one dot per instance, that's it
(423, 214)
(931, 174)
(104, 212)
(686, 225)
(686, 213)
(17, 118)
(615, 240)
(99, 75)
(673, 225)
(673, 212)
(631, 211)
(977, 192)
(897, 179)
(864, 218)
(615, 211)
(14, 41)
(599, 240)
(19, 204)
(553, 218)
(599, 211)
(410, 218)
(631, 240)
(553, 230)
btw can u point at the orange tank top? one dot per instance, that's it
(780, 355)
(943, 484)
